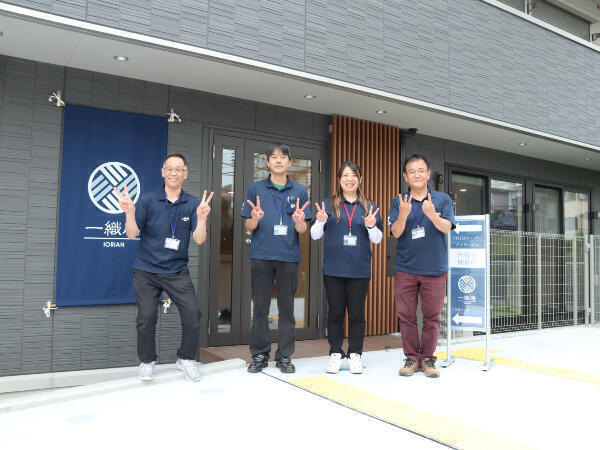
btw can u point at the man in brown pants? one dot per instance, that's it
(420, 221)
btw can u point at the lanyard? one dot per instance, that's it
(350, 216)
(171, 223)
(279, 211)
(412, 211)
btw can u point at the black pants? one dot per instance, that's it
(178, 286)
(285, 275)
(345, 293)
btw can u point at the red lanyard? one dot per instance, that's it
(350, 216)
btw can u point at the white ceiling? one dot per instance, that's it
(67, 44)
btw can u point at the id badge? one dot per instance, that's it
(418, 233)
(350, 240)
(280, 230)
(172, 243)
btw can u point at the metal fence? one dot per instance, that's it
(542, 280)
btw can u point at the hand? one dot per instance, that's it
(203, 208)
(125, 201)
(428, 208)
(321, 214)
(371, 219)
(257, 212)
(298, 215)
(405, 206)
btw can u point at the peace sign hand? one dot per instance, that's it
(125, 201)
(298, 215)
(405, 206)
(257, 212)
(203, 209)
(321, 214)
(371, 218)
(428, 208)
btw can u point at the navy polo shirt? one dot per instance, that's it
(428, 255)
(340, 260)
(275, 204)
(154, 218)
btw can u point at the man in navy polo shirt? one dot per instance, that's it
(420, 221)
(274, 213)
(164, 219)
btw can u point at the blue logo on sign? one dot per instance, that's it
(467, 284)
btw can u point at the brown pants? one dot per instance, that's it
(407, 288)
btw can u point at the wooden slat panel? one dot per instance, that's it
(376, 149)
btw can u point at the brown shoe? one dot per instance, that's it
(428, 367)
(410, 367)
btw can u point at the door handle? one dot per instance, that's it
(248, 241)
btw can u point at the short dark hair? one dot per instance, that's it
(176, 155)
(414, 157)
(281, 147)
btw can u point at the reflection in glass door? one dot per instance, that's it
(469, 194)
(508, 286)
(227, 196)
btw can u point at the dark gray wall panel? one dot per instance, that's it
(464, 54)
(562, 19)
(78, 338)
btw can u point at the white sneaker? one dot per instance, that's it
(335, 363)
(147, 371)
(355, 363)
(190, 369)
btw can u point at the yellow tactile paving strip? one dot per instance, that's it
(433, 426)
(478, 354)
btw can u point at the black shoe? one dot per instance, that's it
(285, 365)
(259, 362)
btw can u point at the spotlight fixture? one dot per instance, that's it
(309, 96)
(595, 36)
(381, 111)
(56, 99)
(587, 158)
(173, 117)
(121, 58)
(462, 190)
(522, 144)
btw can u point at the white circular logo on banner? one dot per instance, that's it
(467, 284)
(108, 176)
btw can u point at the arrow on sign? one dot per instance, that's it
(460, 227)
(466, 319)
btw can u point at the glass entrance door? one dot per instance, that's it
(238, 162)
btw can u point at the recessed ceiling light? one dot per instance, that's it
(463, 190)
(309, 96)
(587, 158)
(381, 111)
(121, 58)
(522, 144)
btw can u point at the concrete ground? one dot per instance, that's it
(543, 392)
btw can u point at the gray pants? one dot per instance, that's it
(285, 275)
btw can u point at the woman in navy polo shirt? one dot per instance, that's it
(350, 223)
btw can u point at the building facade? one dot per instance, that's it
(504, 99)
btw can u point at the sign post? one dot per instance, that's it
(469, 281)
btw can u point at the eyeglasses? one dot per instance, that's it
(412, 173)
(176, 170)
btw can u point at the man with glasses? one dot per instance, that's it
(274, 213)
(164, 220)
(420, 220)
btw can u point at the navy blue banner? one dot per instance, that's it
(102, 149)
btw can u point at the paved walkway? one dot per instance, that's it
(542, 392)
